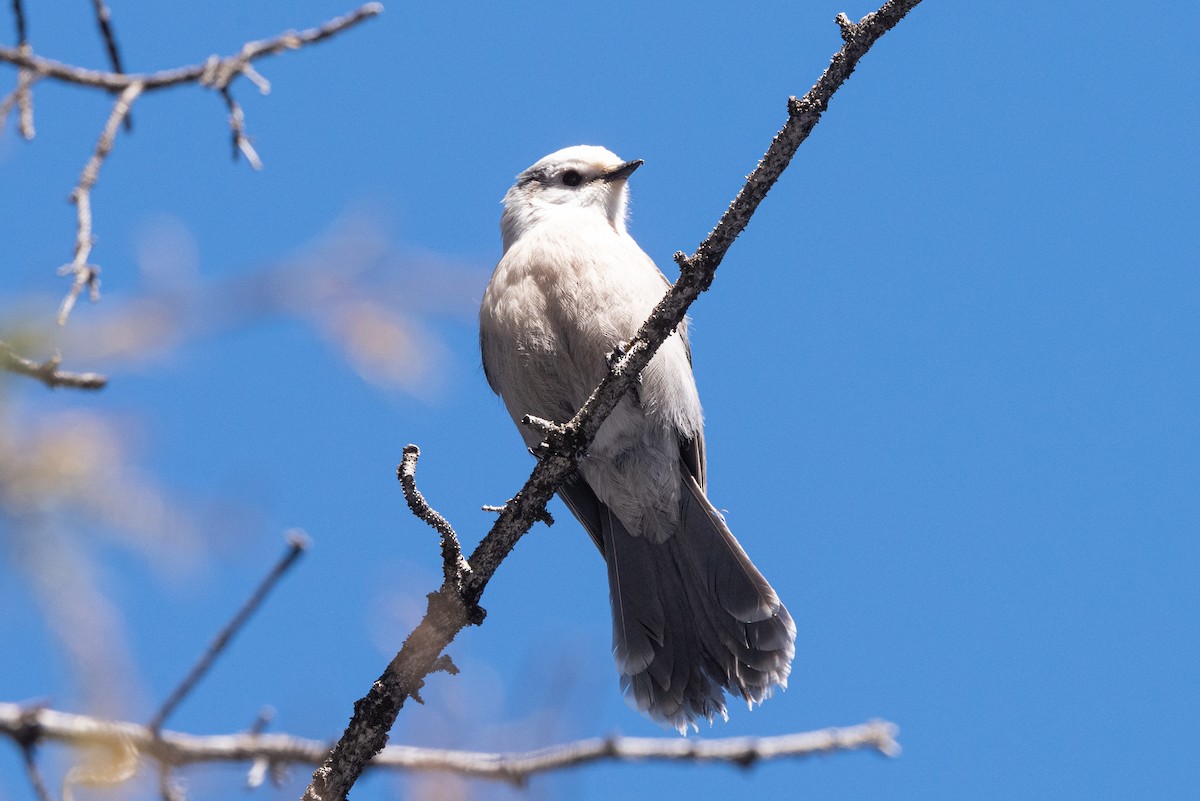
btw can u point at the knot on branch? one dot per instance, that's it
(805, 106)
(28, 732)
(558, 439)
(850, 30)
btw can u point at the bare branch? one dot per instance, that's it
(19, 15)
(216, 72)
(104, 21)
(22, 99)
(47, 372)
(175, 749)
(26, 733)
(88, 275)
(297, 543)
(237, 124)
(545, 517)
(261, 765)
(447, 612)
(455, 568)
(34, 774)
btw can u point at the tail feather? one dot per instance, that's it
(693, 617)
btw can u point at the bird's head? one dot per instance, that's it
(583, 177)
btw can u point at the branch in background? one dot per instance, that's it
(298, 542)
(217, 73)
(237, 126)
(449, 610)
(29, 757)
(88, 275)
(19, 16)
(104, 21)
(22, 96)
(47, 372)
(175, 749)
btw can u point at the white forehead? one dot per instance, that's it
(585, 155)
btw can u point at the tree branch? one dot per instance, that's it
(47, 372)
(448, 610)
(88, 275)
(297, 544)
(104, 22)
(176, 749)
(217, 73)
(455, 569)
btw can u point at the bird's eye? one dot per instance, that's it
(572, 178)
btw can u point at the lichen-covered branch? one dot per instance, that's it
(455, 569)
(176, 749)
(448, 610)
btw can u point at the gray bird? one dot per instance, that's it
(692, 616)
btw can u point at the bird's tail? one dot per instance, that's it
(693, 617)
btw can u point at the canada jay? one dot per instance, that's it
(692, 617)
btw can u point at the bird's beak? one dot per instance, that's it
(622, 171)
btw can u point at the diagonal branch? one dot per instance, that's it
(448, 611)
(104, 22)
(297, 545)
(175, 749)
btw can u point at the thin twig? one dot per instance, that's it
(34, 773)
(455, 569)
(168, 788)
(104, 21)
(26, 732)
(447, 612)
(237, 124)
(19, 15)
(47, 372)
(175, 749)
(545, 517)
(261, 766)
(88, 275)
(21, 97)
(297, 543)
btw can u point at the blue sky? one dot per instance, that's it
(949, 373)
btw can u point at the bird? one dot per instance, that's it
(693, 618)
